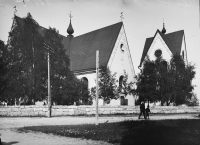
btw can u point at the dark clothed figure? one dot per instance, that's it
(142, 110)
(147, 111)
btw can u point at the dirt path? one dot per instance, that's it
(10, 135)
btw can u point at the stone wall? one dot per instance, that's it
(89, 110)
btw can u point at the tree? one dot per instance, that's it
(26, 61)
(24, 45)
(83, 93)
(162, 78)
(193, 101)
(3, 68)
(168, 83)
(181, 76)
(59, 63)
(107, 85)
(27, 65)
(126, 87)
(147, 82)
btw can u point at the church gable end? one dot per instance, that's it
(167, 44)
(159, 44)
(120, 59)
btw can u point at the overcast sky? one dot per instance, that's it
(141, 20)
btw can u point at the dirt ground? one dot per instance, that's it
(10, 136)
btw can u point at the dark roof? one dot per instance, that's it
(82, 49)
(173, 41)
(176, 39)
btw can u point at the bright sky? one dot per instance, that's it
(141, 20)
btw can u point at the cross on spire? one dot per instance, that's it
(121, 16)
(70, 15)
(70, 29)
(15, 9)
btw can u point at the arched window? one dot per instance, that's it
(183, 54)
(85, 81)
(122, 47)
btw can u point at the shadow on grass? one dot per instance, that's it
(163, 132)
(10, 143)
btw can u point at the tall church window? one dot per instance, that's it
(183, 54)
(121, 83)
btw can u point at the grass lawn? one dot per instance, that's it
(162, 132)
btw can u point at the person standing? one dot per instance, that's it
(147, 111)
(142, 110)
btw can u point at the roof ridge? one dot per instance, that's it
(99, 29)
(78, 35)
(174, 32)
(90, 31)
(154, 34)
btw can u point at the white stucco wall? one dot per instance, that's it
(159, 43)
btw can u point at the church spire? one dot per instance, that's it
(163, 30)
(70, 29)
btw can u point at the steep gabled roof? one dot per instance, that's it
(82, 49)
(173, 41)
(146, 48)
(176, 39)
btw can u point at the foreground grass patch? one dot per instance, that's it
(109, 132)
(172, 132)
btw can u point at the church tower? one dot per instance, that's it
(70, 36)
